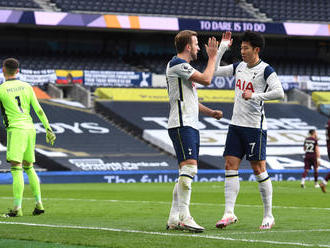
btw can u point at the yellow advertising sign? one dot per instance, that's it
(160, 95)
(133, 94)
(216, 95)
(320, 97)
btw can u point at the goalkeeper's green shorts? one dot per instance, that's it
(21, 144)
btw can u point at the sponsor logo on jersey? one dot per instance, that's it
(244, 85)
(186, 68)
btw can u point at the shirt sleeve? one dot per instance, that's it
(185, 70)
(223, 71)
(39, 111)
(274, 92)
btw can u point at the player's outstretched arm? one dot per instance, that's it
(217, 114)
(225, 44)
(50, 136)
(205, 78)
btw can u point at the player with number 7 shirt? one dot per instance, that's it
(16, 97)
(255, 82)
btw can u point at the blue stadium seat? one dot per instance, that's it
(298, 10)
(188, 8)
(19, 4)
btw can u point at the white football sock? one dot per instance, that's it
(231, 190)
(266, 191)
(174, 213)
(303, 180)
(187, 173)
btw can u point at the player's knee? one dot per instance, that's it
(26, 163)
(232, 163)
(15, 163)
(187, 173)
(189, 170)
(27, 166)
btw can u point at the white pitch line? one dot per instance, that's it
(281, 231)
(168, 203)
(165, 234)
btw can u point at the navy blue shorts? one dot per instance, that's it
(247, 141)
(185, 142)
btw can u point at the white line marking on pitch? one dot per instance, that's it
(168, 203)
(282, 231)
(165, 234)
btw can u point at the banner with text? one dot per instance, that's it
(162, 23)
(34, 77)
(117, 78)
(234, 26)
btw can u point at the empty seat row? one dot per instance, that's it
(225, 8)
(294, 10)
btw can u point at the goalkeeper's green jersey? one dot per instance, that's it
(16, 97)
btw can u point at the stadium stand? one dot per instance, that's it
(87, 142)
(71, 62)
(21, 4)
(294, 10)
(154, 63)
(288, 124)
(211, 8)
(325, 109)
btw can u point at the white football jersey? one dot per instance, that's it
(262, 80)
(184, 106)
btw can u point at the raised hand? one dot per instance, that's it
(212, 47)
(227, 37)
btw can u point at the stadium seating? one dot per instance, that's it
(154, 63)
(71, 62)
(151, 122)
(296, 10)
(211, 8)
(86, 142)
(22, 4)
(281, 10)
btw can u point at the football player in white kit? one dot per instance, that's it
(183, 120)
(255, 82)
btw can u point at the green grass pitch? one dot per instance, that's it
(135, 215)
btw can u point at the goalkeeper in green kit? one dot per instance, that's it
(16, 97)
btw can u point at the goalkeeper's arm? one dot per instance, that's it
(50, 136)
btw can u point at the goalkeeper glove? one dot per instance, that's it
(50, 136)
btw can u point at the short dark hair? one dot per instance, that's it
(255, 39)
(182, 39)
(11, 65)
(311, 132)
